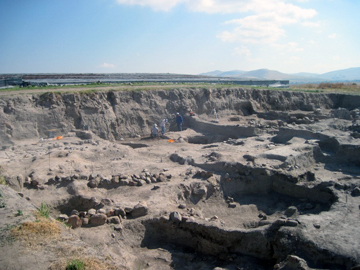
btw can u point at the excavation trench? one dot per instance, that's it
(229, 131)
(277, 200)
(280, 198)
(136, 145)
(203, 139)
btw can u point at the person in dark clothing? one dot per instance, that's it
(179, 121)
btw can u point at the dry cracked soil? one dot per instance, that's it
(257, 179)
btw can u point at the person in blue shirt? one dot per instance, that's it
(179, 121)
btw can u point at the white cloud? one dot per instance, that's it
(107, 65)
(265, 22)
(332, 36)
(311, 24)
(228, 6)
(243, 51)
(288, 47)
(163, 5)
(336, 57)
(293, 47)
(259, 28)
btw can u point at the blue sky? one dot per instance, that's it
(178, 36)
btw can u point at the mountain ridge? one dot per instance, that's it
(349, 74)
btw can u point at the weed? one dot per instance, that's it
(44, 210)
(2, 177)
(5, 236)
(2, 180)
(19, 213)
(75, 265)
(90, 92)
(2, 203)
(82, 263)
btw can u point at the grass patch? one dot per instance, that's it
(351, 88)
(2, 177)
(75, 265)
(85, 262)
(144, 86)
(88, 92)
(2, 180)
(44, 210)
(36, 232)
(11, 89)
(85, 89)
(2, 203)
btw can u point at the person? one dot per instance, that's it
(215, 114)
(154, 131)
(163, 126)
(179, 121)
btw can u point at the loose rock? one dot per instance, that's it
(74, 221)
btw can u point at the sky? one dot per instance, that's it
(178, 36)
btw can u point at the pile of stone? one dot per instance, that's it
(94, 181)
(93, 217)
(100, 181)
(126, 180)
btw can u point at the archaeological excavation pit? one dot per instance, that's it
(274, 182)
(258, 211)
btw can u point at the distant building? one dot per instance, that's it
(15, 81)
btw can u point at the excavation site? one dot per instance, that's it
(256, 179)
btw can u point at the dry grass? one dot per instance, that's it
(352, 88)
(37, 232)
(2, 177)
(46, 233)
(89, 263)
(2, 180)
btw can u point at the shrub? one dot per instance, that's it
(2, 203)
(44, 210)
(83, 262)
(2, 180)
(75, 265)
(2, 177)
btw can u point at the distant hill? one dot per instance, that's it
(266, 74)
(306, 74)
(219, 73)
(215, 73)
(232, 73)
(350, 74)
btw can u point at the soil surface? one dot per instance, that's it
(255, 180)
